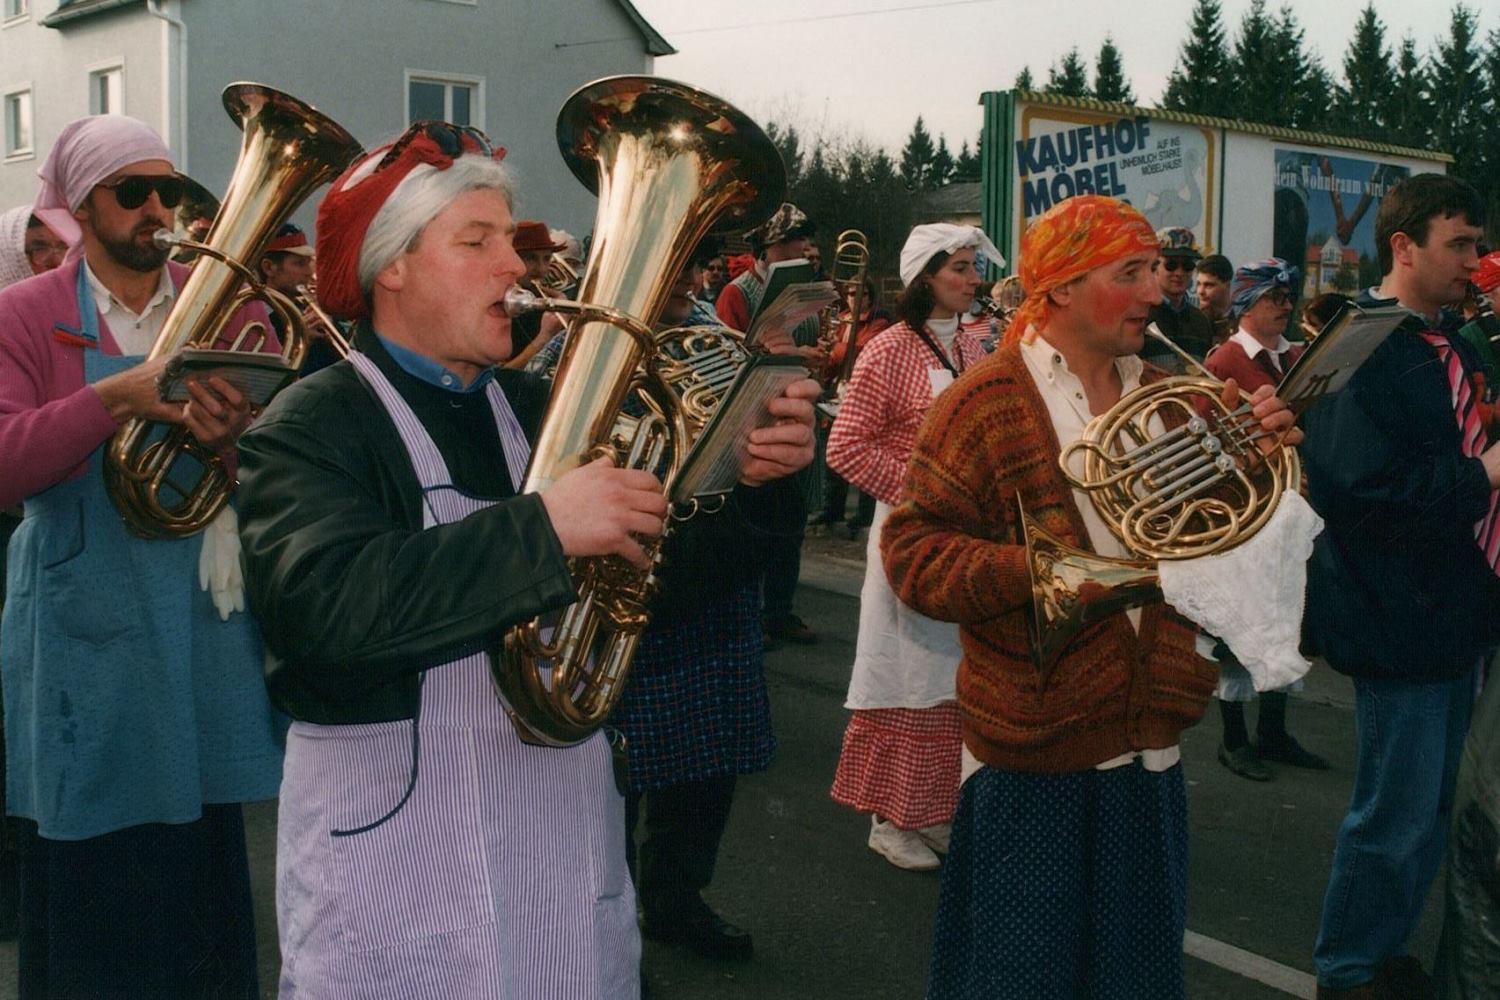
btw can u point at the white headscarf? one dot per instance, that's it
(927, 241)
(87, 151)
(14, 266)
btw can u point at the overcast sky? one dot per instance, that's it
(869, 67)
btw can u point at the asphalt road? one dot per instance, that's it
(833, 920)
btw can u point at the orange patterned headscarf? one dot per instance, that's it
(1070, 240)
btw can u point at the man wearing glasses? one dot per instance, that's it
(1176, 316)
(136, 714)
(715, 277)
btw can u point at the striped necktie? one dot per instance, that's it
(1473, 439)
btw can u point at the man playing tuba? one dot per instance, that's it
(423, 848)
(136, 717)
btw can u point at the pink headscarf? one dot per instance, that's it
(87, 151)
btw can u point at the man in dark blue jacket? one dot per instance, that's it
(1402, 591)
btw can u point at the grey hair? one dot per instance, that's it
(418, 199)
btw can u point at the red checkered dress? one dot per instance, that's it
(887, 398)
(900, 763)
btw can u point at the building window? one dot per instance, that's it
(16, 8)
(450, 100)
(18, 140)
(105, 93)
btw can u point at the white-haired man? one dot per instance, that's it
(136, 716)
(424, 850)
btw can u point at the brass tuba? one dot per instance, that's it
(1200, 488)
(669, 163)
(288, 151)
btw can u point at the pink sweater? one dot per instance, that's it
(50, 421)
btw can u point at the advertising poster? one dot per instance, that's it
(1166, 169)
(1325, 218)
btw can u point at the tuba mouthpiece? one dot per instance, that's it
(165, 239)
(518, 301)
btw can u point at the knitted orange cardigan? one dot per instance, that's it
(950, 552)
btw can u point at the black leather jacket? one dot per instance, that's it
(355, 599)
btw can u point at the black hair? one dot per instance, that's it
(1217, 265)
(1410, 207)
(915, 303)
(1319, 309)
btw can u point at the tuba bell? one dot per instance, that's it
(1201, 488)
(669, 163)
(288, 151)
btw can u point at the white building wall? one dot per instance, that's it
(350, 59)
(57, 63)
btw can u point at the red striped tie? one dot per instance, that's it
(1473, 440)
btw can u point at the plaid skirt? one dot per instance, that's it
(902, 764)
(695, 704)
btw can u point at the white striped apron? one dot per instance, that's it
(486, 869)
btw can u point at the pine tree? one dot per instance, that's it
(1023, 80)
(1306, 87)
(1408, 107)
(942, 165)
(966, 167)
(1109, 75)
(1258, 94)
(916, 157)
(1458, 94)
(1070, 78)
(1200, 81)
(1362, 99)
(1490, 140)
(789, 144)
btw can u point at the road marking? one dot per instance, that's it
(1250, 965)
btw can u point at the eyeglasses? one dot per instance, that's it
(1176, 264)
(453, 140)
(1278, 297)
(41, 251)
(131, 192)
(713, 267)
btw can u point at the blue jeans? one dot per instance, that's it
(1390, 844)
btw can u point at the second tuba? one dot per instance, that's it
(167, 484)
(669, 164)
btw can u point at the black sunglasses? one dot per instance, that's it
(132, 191)
(453, 140)
(1174, 264)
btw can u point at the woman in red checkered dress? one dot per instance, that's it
(901, 753)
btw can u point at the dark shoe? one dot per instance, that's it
(823, 519)
(702, 930)
(792, 629)
(1285, 749)
(1367, 991)
(1403, 977)
(1242, 761)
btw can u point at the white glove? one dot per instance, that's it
(219, 563)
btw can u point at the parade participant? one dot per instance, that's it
(1214, 274)
(1318, 311)
(1402, 586)
(27, 246)
(696, 713)
(1257, 354)
(900, 758)
(1176, 315)
(424, 850)
(1068, 866)
(1487, 279)
(287, 266)
(715, 277)
(136, 719)
(531, 331)
(784, 236)
(835, 487)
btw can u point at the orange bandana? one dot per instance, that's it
(1070, 240)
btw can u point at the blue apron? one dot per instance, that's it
(127, 700)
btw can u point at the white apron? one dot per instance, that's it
(902, 659)
(496, 872)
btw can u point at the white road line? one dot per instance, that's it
(1250, 965)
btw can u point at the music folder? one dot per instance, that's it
(258, 376)
(712, 466)
(1331, 360)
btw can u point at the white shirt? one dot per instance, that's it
(1252, 347)
(1068, 409)
(135, 333)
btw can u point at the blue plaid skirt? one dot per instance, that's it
(695, 704)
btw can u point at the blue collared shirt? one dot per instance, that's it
(422, 367)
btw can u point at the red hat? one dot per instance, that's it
(1487, 278)
(534, 235)
(357, 196)
(290, 239)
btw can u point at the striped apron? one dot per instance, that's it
(440, 856)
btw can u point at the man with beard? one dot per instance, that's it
(136, 717)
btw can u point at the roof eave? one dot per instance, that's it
(656, 45)
(80, 9)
